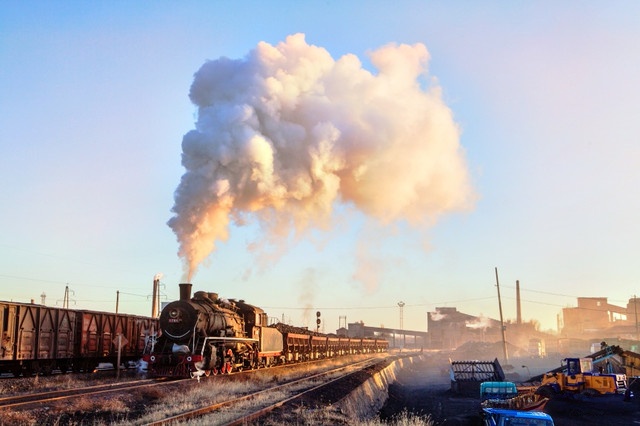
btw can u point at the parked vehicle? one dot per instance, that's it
(508, 396)
(504, 417)
(577, 376)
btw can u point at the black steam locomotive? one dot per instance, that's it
(207, 335)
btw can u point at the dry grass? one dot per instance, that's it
(209, 392)
(402, 419)
(152, 404)
(15, 418)
(17, 386)
(82, 410)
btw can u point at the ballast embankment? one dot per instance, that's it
(364, 402)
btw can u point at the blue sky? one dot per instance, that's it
(94, 105)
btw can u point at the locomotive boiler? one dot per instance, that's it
(206, 334)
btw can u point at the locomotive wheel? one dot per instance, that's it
(214, 371)
(229, 367)
(207, 373)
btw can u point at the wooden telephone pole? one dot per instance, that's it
(502, 327)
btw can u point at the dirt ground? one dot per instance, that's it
(424, 388)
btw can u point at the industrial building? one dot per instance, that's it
(582, 328)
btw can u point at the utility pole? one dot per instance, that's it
(404, 336)
(117, 300)
(342, 321)
(635, 308)
(401, 305)
(518, 306)
(502, 327)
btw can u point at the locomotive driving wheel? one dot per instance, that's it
(225, 369)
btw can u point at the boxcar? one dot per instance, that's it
(39, 339)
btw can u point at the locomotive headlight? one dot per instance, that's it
(174, 316)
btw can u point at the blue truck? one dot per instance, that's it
(503, 405)
(503, 417)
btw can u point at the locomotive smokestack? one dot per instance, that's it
(185, 291)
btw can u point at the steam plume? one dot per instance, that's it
(288, 131)
(479, 322)
(437, 315)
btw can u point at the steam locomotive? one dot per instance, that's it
(205, 334)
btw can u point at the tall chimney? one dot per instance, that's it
(518, 307)
(154, 298)
(185, 291)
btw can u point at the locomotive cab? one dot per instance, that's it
(253, 317)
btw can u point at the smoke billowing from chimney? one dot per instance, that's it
(437, 315)
(479, 322)
(286, 132)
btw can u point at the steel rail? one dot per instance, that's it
(199, 412)
(32, 398)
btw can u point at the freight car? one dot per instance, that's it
(204, 334)
(39, 339)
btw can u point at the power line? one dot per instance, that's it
(75, 284)
(345, 308)
(573, 296)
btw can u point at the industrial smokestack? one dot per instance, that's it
(154, 300)
(518, 307)
(155, 304)
(185, 291)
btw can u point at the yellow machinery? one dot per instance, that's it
(577, 376)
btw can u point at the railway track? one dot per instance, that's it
(144, 401)
(251, 407)
(28, 399)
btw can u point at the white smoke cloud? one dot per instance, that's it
(285, 133)
(437, 315)
(480, 322)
